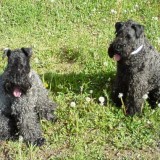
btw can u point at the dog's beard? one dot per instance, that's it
(15, 86)
(123, 53)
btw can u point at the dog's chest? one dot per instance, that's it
(4, 99)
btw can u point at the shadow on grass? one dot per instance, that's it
(73, 82)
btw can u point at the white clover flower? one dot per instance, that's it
(104, 20)
(136, 6)
(148, 122)
(158, 104)
(113, 11)
(109, 79)
(145, 96)
(36, 60)
(101, 99)
(155, 18)
(72, 104)
(125, 11)
(91, 91)
(105, 63)
(120, 95)
(88, 99)
(153, 111)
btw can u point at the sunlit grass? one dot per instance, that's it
(70, 41)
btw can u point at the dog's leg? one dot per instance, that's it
(5, 130)
(154, 97)
(135, 96)
(119, 86)
(45, 109)
(28, 125)
(44, 106)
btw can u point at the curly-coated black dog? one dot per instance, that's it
(23, 99)
(138, 67)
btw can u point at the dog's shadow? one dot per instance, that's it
(79, 83)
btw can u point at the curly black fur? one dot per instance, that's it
(137, 74)
(17, 70)
(23, 100)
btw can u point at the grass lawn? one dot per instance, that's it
(70, 40)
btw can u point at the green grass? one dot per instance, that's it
(70, 41)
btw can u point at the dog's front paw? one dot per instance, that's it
(132, 110)
(48, 115)
(39, 142)
(51, 117)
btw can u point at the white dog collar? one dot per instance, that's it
(137, 50)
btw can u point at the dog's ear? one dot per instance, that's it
(118, 26)
(7, 52)
(27, 51)
(110, 51)
(138, 29)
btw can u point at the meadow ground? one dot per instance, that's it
(70, 40)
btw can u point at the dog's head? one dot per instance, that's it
(127, 40)
(16, 76)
